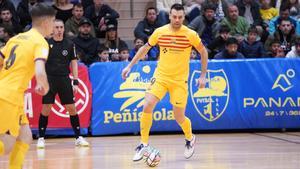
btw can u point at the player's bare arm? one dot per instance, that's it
(42, 86)
(204, 57)
(74, 66)
(1, 62)
(141, 53)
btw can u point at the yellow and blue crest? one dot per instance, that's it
(211, 101)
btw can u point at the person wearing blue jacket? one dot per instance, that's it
(230, 51)
(284, 14)
(251, 47)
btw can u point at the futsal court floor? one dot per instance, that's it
(213, 151)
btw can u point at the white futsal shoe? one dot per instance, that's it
(189, 147)
(40, 143)
(139, 152)
(81, 142)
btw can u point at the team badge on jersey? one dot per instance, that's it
(64, 52)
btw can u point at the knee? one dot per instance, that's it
(71, 109)
(148, 107)
(46, 110)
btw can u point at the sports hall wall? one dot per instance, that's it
(240, 94)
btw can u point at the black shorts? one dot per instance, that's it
(62, 86)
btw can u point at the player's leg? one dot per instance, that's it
(66, 96)
(9, 126)
(75, 123)
(178, 97)
(155, 92)
(22, 145)
(47, 101)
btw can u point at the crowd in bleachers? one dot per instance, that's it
(228, 28)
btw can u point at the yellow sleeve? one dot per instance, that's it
(195, 40)
(2, 51)
(41, 52)
(153, 39)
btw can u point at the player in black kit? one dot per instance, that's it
(61, 55)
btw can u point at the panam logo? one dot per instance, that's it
(211, 101)
(133, 89)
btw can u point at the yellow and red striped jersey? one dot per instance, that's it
(175, 50)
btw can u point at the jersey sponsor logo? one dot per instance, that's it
(64, 52)
(211, 101)
(81, 101)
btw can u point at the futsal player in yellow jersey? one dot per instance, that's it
(175, 41)
(23, 56)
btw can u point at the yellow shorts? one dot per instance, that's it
(178, 90)
(11, 117)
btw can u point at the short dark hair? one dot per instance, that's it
(78, 5)
(5, 9)
(224, 29)
(253, 29)
(102, 48)
(42, 10)
(139, 38)
(231, 41)
(208, 6)
(284, 7)
(177, 7)
(150, 8)
(275, 41)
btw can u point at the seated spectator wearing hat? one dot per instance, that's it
(101, 14)
(295, 52)
(103, 55)
(112, 41)
(72, 24)
(230, 51)
(251, 47)
(218, 44)
(138, 43)
(86, 45)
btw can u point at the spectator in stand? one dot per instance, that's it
(251, 47)
(238, 25)
(267, 12)
(72, 24)
(100, 14)
(124, 54)
(6, 19)
(272, 50)
(218, 44)
(192, 9)
(5, 34)
(221, 7)
(146, 27)
(163, 8)
(8, 5)
(86, 3)
(249, 9)
(284, 14)
(113, 42)
(86, 45)
(194, 55)
(280, 53)
(64, 9)
(138, 43)
(285, 34)
(231, 50)
(295, 52)
(23, 11)
(103, 55)
(206, 25)
(294, 7)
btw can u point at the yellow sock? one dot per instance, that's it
(1, 148)
(186, 127)
(17, 155)
(145, 126)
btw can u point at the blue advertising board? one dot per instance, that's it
(240, 94)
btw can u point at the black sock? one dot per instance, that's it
(43, 122)
(75, 125)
